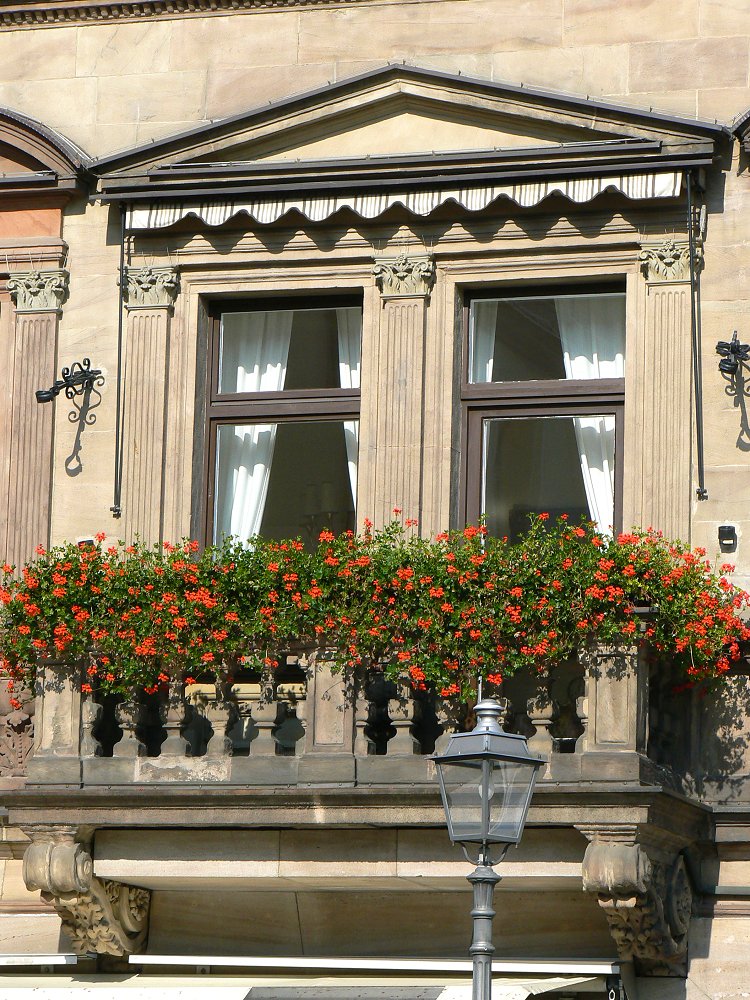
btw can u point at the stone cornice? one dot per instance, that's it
(35, 14)
(415, 805)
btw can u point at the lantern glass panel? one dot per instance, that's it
(487, 801)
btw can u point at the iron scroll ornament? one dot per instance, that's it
(79, 378)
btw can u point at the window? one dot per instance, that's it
(543, 397)
(283, 425)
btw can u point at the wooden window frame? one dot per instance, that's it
(537, 398)
(293, 406)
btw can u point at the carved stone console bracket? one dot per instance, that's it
(38, 291)
(151, 287)
(646, 899)
(100, 916)
(669, 261)
(403, 276)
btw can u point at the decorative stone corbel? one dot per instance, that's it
(100, 916)
(404, 276)
(38, 291)
(647, 901)
(669, 261)
(151, 287)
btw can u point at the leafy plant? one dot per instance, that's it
(440, 612)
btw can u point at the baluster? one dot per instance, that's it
(363, 745)
(402, 709)
(173, 717)
(291, 698)
(221, 713)
(446, 723)
(130, 716)
(582, 711)
(540, 710)
(265, 712)
(91, 712)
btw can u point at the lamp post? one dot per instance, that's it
(486, 779)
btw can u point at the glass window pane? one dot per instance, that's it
(284, 480)
(555, 465)
(547, 337)
(285, 349)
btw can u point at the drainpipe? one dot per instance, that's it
(116, 507)
(701, 490)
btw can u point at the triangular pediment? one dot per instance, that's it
(402, 124)
(403, 111)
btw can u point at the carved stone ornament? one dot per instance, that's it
(404, 276)
(38, 291)
(100, 916)
(16, 743)
(669, 261)
(151, 287)
(647, 904)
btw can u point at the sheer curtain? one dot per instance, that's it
(483, 340)
(254, 353)
(592, 331)
(349, 322)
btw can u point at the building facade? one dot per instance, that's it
(456, 257)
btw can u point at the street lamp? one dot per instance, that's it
(486, 780)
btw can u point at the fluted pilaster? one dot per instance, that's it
(150, 296)
(38, 297)
(659, 429)
(397, 414)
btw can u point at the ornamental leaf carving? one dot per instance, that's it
(156, 287)
(16, 743)
(647, 904)
(404, 275)
(38, 291)
(109, 919)
(670, 261)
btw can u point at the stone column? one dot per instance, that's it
(150, 295)
(659, 419)
(395, 407)
(38, 298)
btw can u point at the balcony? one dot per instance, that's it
(307, 725)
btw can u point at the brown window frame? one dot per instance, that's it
(285, 406)
(537, 398)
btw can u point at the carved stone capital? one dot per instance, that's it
(100, 916)
(404, 276)
(669, 261)
(647, 902)
(38, 291)
(151, 287)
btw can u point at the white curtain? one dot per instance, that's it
(483, 340)
(254, 353)
(592, 331)
(349, 323)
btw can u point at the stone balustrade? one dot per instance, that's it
(306, 724)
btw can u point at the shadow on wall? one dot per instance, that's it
(699, 738)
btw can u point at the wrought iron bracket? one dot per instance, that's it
(733, 354)
(79, 378)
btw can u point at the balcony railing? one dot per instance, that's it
(308, 725)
